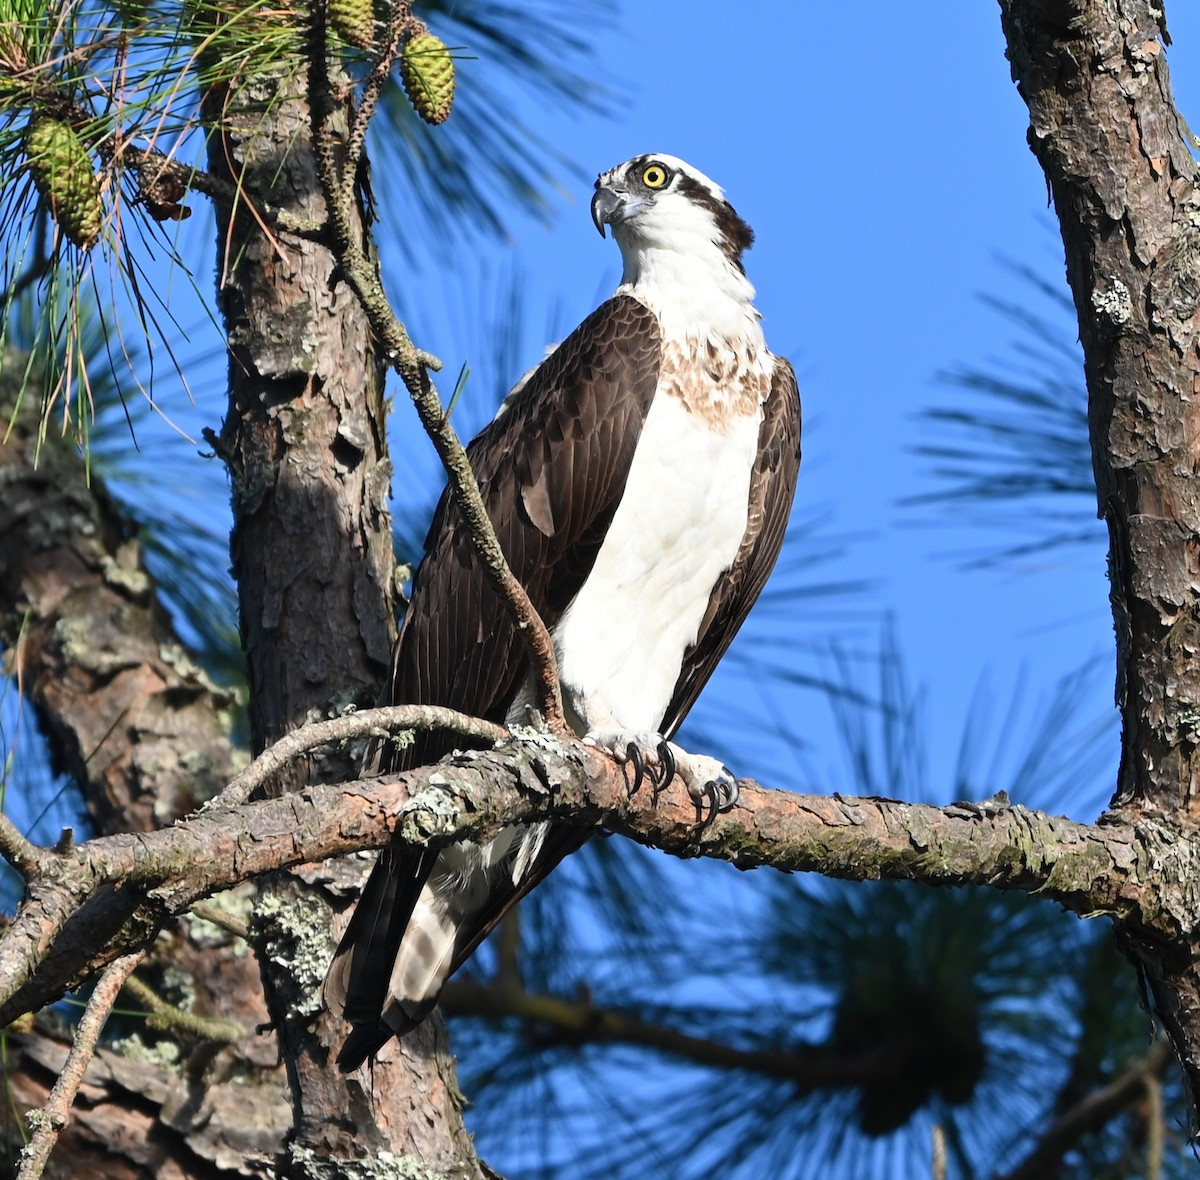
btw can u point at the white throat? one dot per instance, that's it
(689, 283)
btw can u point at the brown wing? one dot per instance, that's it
(552, 469)
(772, 489)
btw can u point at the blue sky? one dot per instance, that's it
(882, 162)
(884, 167)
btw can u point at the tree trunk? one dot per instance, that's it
(312, 553)
(1104, 127)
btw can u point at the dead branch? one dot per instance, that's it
(390, 720)
(338, 179)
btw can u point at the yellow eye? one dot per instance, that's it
(655, 176)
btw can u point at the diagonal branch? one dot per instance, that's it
(49, 1121)
(137, 723)
(362, 274)
(1093, 1111)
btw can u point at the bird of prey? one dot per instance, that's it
(639, 481)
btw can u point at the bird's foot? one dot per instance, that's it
(710, 783)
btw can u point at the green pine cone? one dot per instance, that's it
(353, 21)
(427, 71)
(64, 175)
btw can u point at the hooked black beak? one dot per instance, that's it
(608, 207)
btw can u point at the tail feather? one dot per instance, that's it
(418, 921)
(356, 985)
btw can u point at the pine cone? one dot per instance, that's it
(64, 175)
(353, 21)
(427, 71)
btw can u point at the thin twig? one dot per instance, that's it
(28, 859)
(207, 912)
(152, 165)
(383, 722)
(47, 1122)
(413, 365)
(167, 1016)
(1092, 1111)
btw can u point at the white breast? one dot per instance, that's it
(678, 528)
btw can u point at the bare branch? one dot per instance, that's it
(49, 1121)
(207, 912)
(808, 1066)
(1112, 869)
(28, 859)
(1093, 1111)
(383, 722)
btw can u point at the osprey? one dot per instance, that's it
(639, 481)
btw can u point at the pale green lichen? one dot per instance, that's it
(178, 987)
(164, 1054)
(293, 931)
(125, 574)
(36, 1119)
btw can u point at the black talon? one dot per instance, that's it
(634, 755)
(666, 770)
(666, 757)
(711, 794)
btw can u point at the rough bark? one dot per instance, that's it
(147, 737)
(132, 718)
(1104, 127)
(312, 553)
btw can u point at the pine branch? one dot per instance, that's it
(575, 1022)
(1092, 1112)
(167, 1016)
(48, 1122)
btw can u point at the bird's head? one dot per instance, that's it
(659, 202)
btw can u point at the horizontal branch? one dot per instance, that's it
(116, 892)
